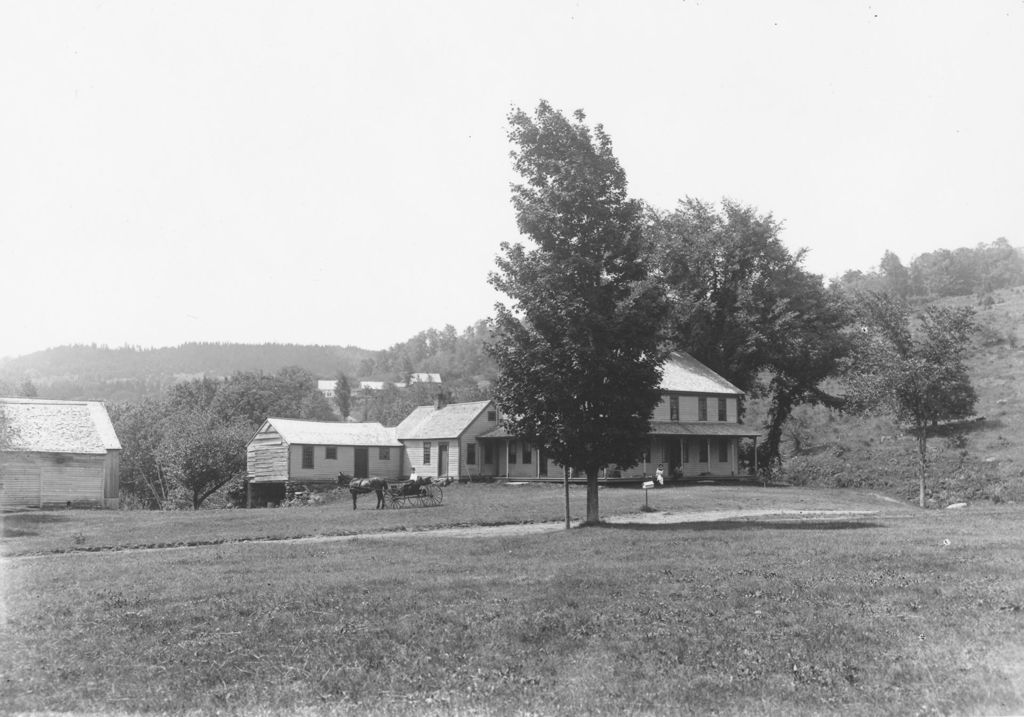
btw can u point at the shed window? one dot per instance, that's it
(722, 412)
(527, 454)
(426, 453)
(331, 453)
(702, 408)
(384, 453)
(512, 447)
(307, 456)
(673, 408)
(470, 454)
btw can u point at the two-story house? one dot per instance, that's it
(695, 430)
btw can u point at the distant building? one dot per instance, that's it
(326, 386)
(419, 378)
(58, 453)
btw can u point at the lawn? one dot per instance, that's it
(902, 612)
(471, 504)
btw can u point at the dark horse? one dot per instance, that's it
(367, 485)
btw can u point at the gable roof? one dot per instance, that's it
(682, 372)
(45, 426)
(326, 384)
(332, 433)
(449, 422)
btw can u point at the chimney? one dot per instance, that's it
(439, 401)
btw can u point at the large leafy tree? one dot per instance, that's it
(577, 348)
(743, 305)
(201, 454)
(912, 367)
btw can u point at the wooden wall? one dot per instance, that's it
(40, 480)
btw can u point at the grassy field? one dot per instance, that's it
(900, 612)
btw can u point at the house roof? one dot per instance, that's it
(372, 385)
(425, 378)
(682, 372)
(45, 426)
(701, 428)
(326, 384)
(449, 422)
(333, 433)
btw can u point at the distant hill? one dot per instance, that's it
(127, 373)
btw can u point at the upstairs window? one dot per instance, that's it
(722, 411)
(331, 453)
(702, 408)
(307, 456)
(426, 453)
(673, 408)
(492, 416)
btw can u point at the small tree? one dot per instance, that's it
(343, 395)
(201, 455)
(578, 350)
(915, 371)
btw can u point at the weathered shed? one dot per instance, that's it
(57, 453)
(318, 451)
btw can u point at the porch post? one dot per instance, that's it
(506, 459)
(755, 457)
(709, 456)
(248, 493)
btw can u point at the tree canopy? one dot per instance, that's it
(578, 348)
(912, 367)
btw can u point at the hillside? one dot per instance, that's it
(978, 459)
(127, 373)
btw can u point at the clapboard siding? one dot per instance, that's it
(327, 469)
(266, 458)
(689, 410)
(43, 479)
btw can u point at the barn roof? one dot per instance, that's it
(332, 433)
(46, 426)
(448, 422)
(682, 372)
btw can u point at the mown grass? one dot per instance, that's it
(472, 504)
(918, 614)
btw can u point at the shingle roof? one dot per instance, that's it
(332, 433)
(448, 422)
(682, 372)
(45, 426)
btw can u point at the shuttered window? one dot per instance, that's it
(722, 413)
(702, 408)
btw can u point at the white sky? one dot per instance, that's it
(337, 173)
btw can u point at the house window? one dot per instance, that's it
(722, 412)
(307, 456)
(384, 453)
(331, 453)
(702, 408)
(470, 454)
(512, 446)
(492, 416)
(426, 453)
(527, 454)
(723, 451)
(488, 453)
(673, 408)
(703, 455)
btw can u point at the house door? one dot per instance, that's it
(675, 455)
(542, 463)
(442, 460)
(362, 467)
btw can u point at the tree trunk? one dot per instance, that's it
(922, 448)
(592, 513)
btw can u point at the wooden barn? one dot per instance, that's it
(58, 453)
(442, 440)
(285, 450)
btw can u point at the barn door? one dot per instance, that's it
(442, 459)
(362, 467)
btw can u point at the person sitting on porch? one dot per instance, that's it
(659, 476)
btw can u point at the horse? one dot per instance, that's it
(368, 485)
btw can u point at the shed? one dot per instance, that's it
(57, 453)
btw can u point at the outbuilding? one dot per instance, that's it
(57, 453)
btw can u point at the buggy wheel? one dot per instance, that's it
(434, 495)
(392, 500)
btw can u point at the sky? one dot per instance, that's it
(338, 172)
